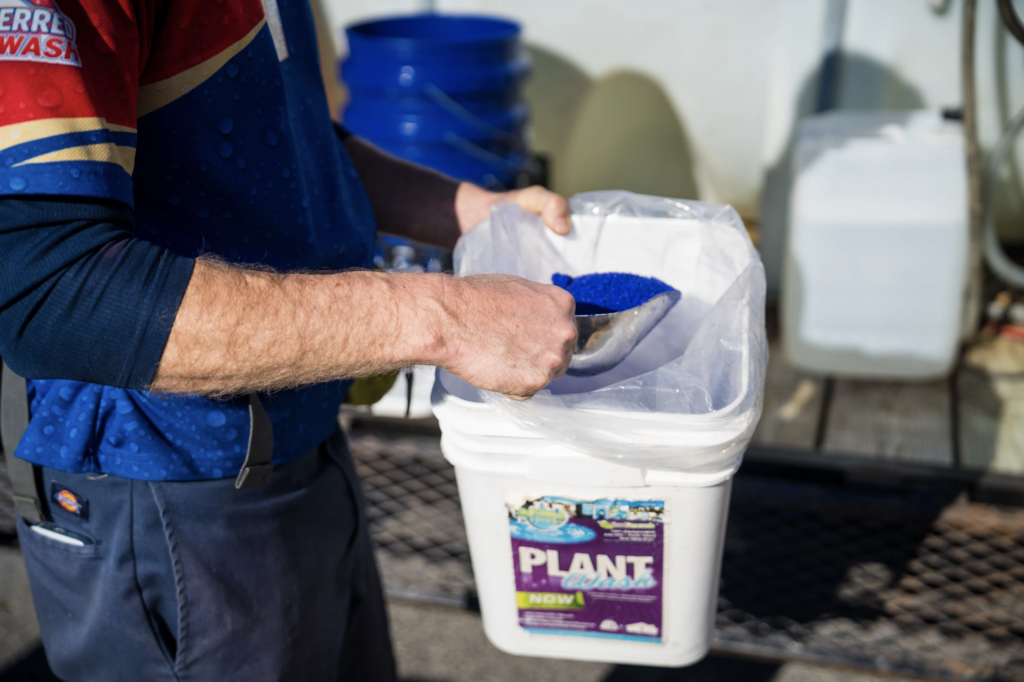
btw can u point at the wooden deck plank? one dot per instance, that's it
(990, 406)
(907, 422)
(792, 406)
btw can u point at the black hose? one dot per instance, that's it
(1011, 20)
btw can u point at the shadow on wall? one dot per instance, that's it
(863, 83)
(555, 89)
(618, 132)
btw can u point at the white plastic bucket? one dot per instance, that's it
(580, 558)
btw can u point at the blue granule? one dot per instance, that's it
(609, 292)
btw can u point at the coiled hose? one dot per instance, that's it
(1000, 264)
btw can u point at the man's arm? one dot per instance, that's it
(73, 274)
(241, 330)
(418, 203)
(80, 297)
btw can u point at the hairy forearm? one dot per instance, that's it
(240, 330)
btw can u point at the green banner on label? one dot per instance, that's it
(550, 600)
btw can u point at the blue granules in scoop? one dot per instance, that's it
(609, 292)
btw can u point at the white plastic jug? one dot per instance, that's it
(876, 257)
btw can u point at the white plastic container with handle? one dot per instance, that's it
(596, 510)
(875, 262)
(523, 497)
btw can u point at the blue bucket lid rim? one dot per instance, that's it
(512, 29)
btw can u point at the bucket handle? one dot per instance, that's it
(460, 112)
(477, 152)
(530, 164)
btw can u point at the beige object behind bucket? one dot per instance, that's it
(626, 135)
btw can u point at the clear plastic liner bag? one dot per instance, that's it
(689, 396)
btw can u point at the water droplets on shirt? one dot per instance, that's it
(66, 393)
(231, 70)
(216, 418)
(240, 162)
(49, 430)
(270, 137)
(123, 406)
(203, 213)
(18, 183)
(50, 97)
(173, 199)
(224, 149)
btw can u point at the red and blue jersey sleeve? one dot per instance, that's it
(69, 86)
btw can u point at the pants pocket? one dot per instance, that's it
(93, 623)
(27, 535)
(158, 572)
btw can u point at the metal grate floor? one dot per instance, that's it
(413, 507)
(888, 578)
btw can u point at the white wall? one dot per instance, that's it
(738, 72)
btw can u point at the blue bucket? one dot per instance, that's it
(441, 90)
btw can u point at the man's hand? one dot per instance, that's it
(473, 205)
(508, 334)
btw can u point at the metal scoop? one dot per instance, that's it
(605, 340)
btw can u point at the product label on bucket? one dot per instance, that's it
(590, 568)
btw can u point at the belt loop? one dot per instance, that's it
(257, 467)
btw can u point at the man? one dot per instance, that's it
(177, 214)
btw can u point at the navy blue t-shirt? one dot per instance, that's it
(235, 155)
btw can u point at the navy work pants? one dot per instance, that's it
(196, 581)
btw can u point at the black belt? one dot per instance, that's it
(26, 481)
